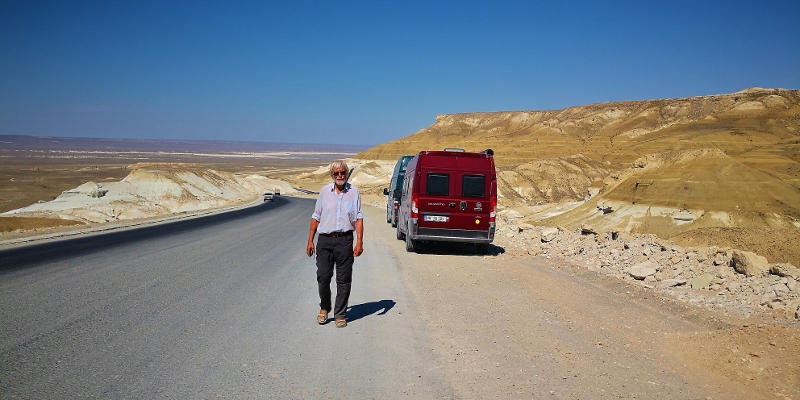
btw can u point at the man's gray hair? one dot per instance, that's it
(337, 165)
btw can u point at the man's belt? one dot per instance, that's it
(337, 234)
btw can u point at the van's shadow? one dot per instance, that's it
(359, 311)
(456, 249)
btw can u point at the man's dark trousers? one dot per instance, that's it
(335, 253)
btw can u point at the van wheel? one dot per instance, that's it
(483, 248)
(410, 244)
(400, 235)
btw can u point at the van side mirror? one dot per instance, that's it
(385, 191)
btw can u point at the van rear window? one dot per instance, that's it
(438, 185)
(472, 185)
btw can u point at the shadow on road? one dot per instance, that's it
(456, 249)
(359, 311)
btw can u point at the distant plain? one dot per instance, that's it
(38, 169)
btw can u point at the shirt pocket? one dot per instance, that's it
(350, 209)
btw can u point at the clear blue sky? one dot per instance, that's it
(366, 72)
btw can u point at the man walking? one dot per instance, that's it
(337, 214)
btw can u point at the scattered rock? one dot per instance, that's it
(748, 263)
(588, 230)
(655, 263)
(605, 209)
(522, 227)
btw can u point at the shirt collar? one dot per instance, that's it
(346, 187)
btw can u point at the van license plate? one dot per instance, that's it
(436, 218)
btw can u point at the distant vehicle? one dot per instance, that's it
(393, 191)
(268, 196)
(277, 191)
(449, 196)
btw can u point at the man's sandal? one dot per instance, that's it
(341, 322)
(322, 317)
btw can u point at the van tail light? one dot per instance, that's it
(414, 209)
(493, 212)
(396, 204)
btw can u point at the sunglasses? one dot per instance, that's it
(337, 173)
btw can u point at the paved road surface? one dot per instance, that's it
(223, 307)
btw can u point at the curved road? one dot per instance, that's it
(221, 306)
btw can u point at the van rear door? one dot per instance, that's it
(472, 200)
(435, 203)
(455, 192)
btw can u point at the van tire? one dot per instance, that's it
(483, 248)
(400, 235)
(411, 244)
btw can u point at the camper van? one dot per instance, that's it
(393, 192)
(448, 196)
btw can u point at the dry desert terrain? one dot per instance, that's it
(693, 199)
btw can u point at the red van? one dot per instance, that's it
(449, 196)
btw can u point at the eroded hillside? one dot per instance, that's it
(702, 170)
(153, 190)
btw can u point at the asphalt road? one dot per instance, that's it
(222, 306)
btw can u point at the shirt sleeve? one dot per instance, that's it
(359, 214)
(317, 208)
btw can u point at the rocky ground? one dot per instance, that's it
(732, 280)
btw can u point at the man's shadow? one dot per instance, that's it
(359, 311)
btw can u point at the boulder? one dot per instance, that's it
(700, 282)
(722, 258)
(641, 271)
(748, 263)
(793, 309)
(780, 290)
(785, 270)
(522, 227)
(672, 282)
(548, 234)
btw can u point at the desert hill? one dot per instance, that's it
(153, 190)
(619, 132)
(707, 170)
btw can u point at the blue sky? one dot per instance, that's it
(366, 72)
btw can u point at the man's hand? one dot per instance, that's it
(312, 229)
(359, 248)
